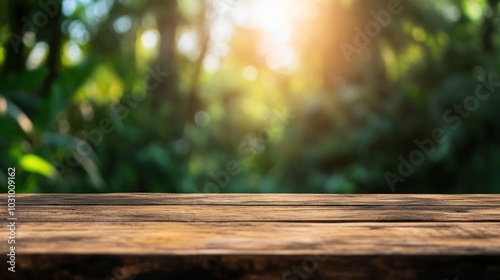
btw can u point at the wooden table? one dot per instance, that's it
(252, 236)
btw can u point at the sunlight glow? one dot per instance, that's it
(188, 44)
(250, 73)
(78, 32)
(72, 53)
(3, 106)
(211, 63)
(202, 118)
(68, 7)
(122, 24)
(475, 10)
(25, 123)
(149, 39)
(275, 20)
(37, 55)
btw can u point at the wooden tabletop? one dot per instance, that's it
(244, 231)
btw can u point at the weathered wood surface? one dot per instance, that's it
(236, 236)
(261, 199)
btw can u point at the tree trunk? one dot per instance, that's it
(14, 59)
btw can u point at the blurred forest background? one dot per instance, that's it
(249, 95)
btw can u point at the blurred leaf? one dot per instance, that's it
(24, 81)
(63, 90)
(81, 150)
(68, 142)
(10, 109)
(103, 87)
(38, 165)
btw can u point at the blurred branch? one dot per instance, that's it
(167, 26)
(194, 102)
(489, 27)
(53, 59)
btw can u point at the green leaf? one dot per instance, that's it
(35, 164)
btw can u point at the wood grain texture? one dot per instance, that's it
(242, 238)
(237, 236)
(260, 199)
(225, 213)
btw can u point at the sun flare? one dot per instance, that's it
(275, 20)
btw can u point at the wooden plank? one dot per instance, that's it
(256, 199)
(255, 238)
(218, 213)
